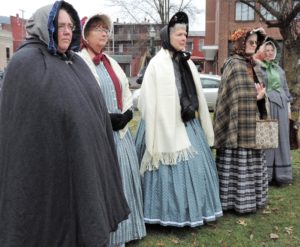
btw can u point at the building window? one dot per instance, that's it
(7, 54)
(121, 48)
(201, 44)
(190, 45)
(275, 5)
(266, 14)
(243, 12)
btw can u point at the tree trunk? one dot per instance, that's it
(291, 58)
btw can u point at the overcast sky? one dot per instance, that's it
(84, 8)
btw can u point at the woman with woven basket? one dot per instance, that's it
(241, 167)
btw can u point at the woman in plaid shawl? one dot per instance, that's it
(242, 169)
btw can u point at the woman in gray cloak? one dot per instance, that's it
(60, 183)
(278, 159)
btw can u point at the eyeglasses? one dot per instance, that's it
(101, 29)
(66, 27)
(252, 42)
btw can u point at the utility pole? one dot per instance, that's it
(166, 11)
(113, 38)
(152, 34)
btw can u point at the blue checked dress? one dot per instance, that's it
(134, 227)
(185, 194)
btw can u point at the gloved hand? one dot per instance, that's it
(116, 119)
(128, 115)
(187, 115)
(119, 120)
(187, 111)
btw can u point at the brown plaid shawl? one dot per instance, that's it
(236, 107)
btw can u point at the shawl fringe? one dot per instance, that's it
(152, 162)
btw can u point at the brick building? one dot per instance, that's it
(222, 18)
(195, 46)
(6, 46)
(18, 30)
(6, 42)
(131, 44)
(12, 34)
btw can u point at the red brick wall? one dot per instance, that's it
(196, 51)
(210, 22)
(210, 30)
(18, 30)
(218, 32)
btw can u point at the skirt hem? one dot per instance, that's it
(186, 223)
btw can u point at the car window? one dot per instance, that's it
(209, 83)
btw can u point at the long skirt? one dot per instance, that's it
(185, 194)
(243, 179)
(134, 227)
(279, 159)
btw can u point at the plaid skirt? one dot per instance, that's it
(243, 179)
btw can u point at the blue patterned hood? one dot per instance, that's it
(43, 26)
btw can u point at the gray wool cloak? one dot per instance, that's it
(60, 183)
(278, 159)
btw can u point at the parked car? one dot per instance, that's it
(210, 84)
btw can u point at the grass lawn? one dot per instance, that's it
(277, 225)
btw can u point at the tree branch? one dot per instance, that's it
(156, 10)
(295, 11)
(276, 13)
(273, 23)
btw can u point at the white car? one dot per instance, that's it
(210, 84)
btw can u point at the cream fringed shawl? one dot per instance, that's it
(126, 94)
(165, 134)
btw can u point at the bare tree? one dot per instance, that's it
(155, 11)
(286, 15)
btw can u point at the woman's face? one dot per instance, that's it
(269, 52)
(178, 37)
(251, 44)
(65, 29)
(97, 36)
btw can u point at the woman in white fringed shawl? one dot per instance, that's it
(180, 182)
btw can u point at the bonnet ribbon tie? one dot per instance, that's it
(101, 57)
